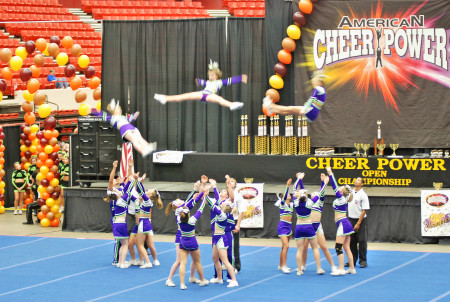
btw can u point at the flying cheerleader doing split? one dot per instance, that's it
(209, 93)
(312, 106)
(127, 131)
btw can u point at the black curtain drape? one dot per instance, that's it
(141, 58)
(11, 155)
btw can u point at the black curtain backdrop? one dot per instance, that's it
(147, 57)
(348, 116)
(12, 154)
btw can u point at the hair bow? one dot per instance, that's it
(213, 65)
(177, 203)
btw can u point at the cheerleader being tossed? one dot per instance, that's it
(209, 93)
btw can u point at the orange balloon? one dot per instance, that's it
(94, 82)
(305, 6)
(284, 56)
(29, 118)
(43, 156)
(56, 148)
(41, 44)
(55, 133)
(49, 163)
(45, 195)
(273, 94)
(39, 163)
(41, 215)
(54, 223)
(7, 73)
(33, 86)
(67, 42)
(50, 176)
(48, 134)
(75, 83)
(35, 71)
(32, 136)
(39, 148)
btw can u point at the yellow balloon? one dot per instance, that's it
(33, 149)
(45, 52)
(34, 127)
(62, 58)
(44, 110)
(84, 109)
(16, 63)
(28, 96)
(54, 208)
(57, 202)
(2, 184)
(58, 214)
(48, 149)
(21, 52)
(40, 176)
(276, 82)
(23, 148)
(27, 165)
(45, 222)
(1, 96)
(54, 182)
(294, 32)
(35, 142)
(41, 189)
(83, 61)
(2, 209)
(50, 202)
(99, 106)
(44, 170)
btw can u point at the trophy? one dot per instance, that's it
(248, 180)
(394, 147)
(365, 147)
(381, 148)
(358, 147)
(437, 185)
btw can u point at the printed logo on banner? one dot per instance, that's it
(252, 199)
(435, 213)
(385, 50)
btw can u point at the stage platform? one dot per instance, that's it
(394, 215)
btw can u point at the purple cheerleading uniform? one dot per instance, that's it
(344, 227)
(190, 203)
(145, 225)
(284, 226)
(318, 207)
(219, 237)
(315, 103)
(213, 87)
(120, 230)
(187, 240)
(120, 122)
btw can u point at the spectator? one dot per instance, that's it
(59, 82)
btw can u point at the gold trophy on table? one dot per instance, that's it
(381, 148)
(394, 147)
(365, 147)
(358, 147)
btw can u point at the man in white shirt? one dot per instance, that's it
(357, 209)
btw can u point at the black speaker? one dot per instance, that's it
(98, 145)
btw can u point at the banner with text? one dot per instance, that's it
(435, 212)
(386, 60)
(252, 198)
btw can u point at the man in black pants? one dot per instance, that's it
(34, 205)
(357, 215)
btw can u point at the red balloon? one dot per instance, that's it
(30, 47)
(70, 70)
(40, 134)
(299, 19)
(45, 182)
(25, 74)
(55, 195)
(280, 69)
(50, 123)
(89, 72)
(57, 174)
(41, 202)
(55, 39)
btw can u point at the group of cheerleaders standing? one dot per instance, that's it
(120, 195)
(309, 229)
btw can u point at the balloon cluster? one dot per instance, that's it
(75, 81)
(28, 148)
(48, 175)
(2, 172)
(284, 55)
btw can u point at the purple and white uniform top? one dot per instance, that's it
(315, 102)
(213, 87)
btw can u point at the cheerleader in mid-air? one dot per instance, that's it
(209, 93)
(127, 131)
(310, 109)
